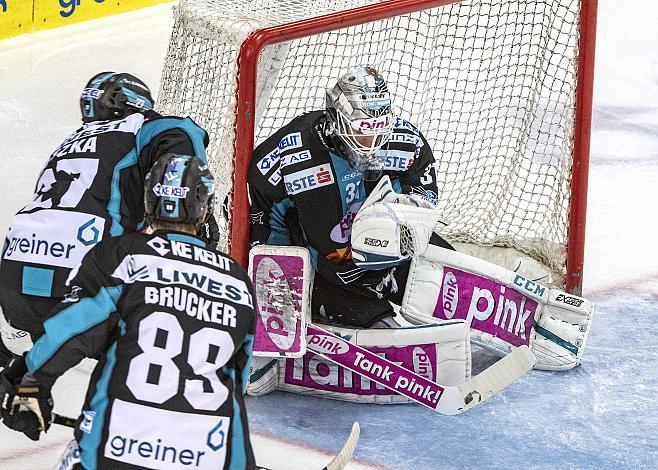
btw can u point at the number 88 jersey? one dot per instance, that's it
(172, 324)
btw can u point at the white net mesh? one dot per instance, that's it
(490, 83)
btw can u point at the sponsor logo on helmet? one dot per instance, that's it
(178, 192)
(92, 93)
(308, 179)
(368, 126)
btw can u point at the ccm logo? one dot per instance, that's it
(376, 242)
(569, 300)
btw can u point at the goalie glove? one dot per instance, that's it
(391, 228)
(26, 406)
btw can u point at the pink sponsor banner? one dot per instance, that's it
(374, 367)
(278, 330)
(489, 306)
(318, 373)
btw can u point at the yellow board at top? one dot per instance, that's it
(24, 16)
(15, 17)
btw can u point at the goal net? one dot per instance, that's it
(494, 85)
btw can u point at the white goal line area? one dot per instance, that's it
(491, 84)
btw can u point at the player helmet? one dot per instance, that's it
(359, 115)
(178, 189)
(110, 95)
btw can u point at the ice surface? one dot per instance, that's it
(601, 415)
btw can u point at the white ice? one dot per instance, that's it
(601, 415)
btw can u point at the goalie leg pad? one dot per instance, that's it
(439, 352)
(263, 376)
(504, 309)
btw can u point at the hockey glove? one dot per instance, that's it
(209, 232)
(25, 405)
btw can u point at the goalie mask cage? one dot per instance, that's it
(501, 89)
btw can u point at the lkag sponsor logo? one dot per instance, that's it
(69, 6)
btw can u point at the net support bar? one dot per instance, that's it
(582, 134)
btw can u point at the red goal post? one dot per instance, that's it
(547, 223)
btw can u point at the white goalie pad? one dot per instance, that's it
(438, 352)
(503, 308)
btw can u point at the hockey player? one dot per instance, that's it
(91, 188)
(308, 181)
(172, 321)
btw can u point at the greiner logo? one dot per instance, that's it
(155, 451)
(39, 247)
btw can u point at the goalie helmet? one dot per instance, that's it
(110, 95)
(179, 189)
(359, 116)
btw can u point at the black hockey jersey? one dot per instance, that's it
(303, 193)
(92, 187)
(172, 323)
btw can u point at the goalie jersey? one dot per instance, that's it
(172, 323)
(91, 188)
(303, 193)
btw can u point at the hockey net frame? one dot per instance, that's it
(255, 40)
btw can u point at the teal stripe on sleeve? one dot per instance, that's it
(91, 441)
(114, 206)
(248, 347)
(238, 454)
(70, 322)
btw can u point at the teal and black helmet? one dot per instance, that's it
(109, 96)
(178, 189)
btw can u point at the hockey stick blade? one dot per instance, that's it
(443, 399)
(345, 455)
(488, 382)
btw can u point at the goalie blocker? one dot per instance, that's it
(503, 308)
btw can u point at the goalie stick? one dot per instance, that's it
(339, 462)
(443, 399)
